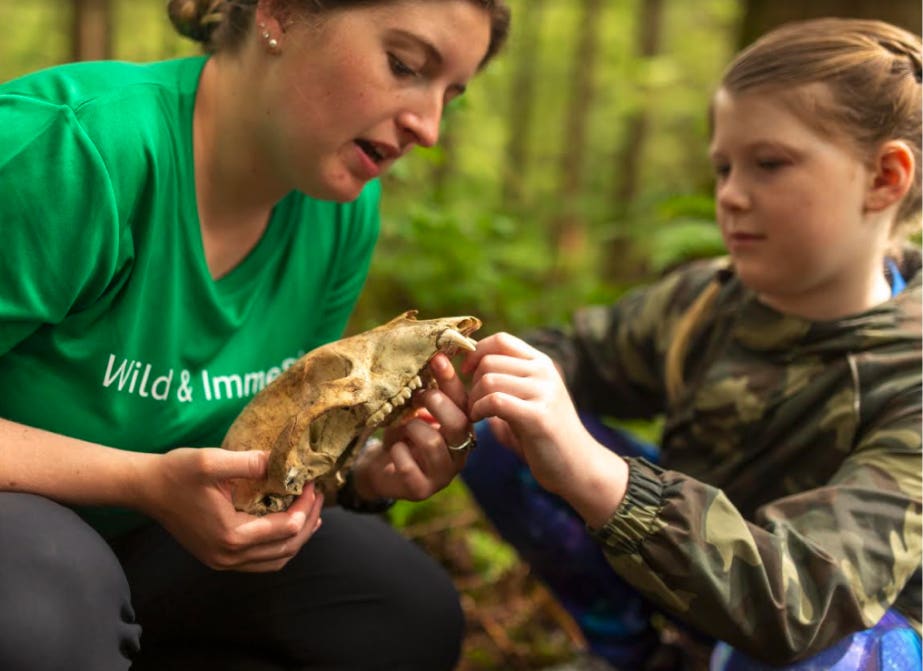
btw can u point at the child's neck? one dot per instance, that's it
(828, 303)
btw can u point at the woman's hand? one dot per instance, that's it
(522, 392)
(187, 492)
(415, 461)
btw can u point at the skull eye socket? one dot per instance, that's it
(329, 366)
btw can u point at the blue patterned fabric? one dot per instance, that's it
(553, 540)
(891, 645)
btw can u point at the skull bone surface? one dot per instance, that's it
(314, 417)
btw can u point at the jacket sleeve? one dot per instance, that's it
(817, 565)
(612, 356)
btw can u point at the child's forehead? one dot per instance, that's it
(808, 106)
(810, 100)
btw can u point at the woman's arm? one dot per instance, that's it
(69, 470)
(185, 490)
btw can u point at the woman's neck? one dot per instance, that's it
(234, 192)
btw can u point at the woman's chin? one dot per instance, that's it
(343, 188)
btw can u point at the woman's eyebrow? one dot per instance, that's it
(432, 53)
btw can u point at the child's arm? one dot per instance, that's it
(812, 568)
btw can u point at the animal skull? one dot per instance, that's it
(313, 418)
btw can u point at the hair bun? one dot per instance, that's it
(196, 19)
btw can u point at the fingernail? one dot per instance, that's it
(319, 522)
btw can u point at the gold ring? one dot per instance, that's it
(469, 443)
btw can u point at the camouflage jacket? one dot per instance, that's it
(786, 510)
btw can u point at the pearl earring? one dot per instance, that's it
(271, 41)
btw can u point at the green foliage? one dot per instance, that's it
(684, 229)
(465, 260)
(491, 559)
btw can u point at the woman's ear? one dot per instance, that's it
(892, 175)
(273, 14)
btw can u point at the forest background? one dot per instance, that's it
(573, 169)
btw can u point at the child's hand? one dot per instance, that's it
(516, 384)
(522, 392)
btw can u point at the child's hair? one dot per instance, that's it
(872, 70)
(220, 25)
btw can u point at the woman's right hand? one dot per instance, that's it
(187, 492)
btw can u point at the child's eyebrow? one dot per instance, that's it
(757, 145)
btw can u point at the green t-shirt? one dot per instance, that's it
(111, 327)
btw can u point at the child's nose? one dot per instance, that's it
(732, 193)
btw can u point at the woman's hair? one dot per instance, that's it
(221, 25)
(872, 71)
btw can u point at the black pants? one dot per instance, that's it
(357, 597)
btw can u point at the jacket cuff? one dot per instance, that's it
(636, 517)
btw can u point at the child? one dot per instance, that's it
(784, 514)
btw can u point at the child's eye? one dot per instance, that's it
(722, 170)
(399, 67)
(771, 163)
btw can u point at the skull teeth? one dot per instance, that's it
(449, 340)
(399, 400)
(452, 339)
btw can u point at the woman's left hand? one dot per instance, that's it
(414, 461)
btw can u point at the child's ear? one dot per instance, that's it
(892, 176)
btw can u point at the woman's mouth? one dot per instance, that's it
(370, 150)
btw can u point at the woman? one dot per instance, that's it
(177, 233)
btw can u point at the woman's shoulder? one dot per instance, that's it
(76, 85)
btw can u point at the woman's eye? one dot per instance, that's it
(399, 67)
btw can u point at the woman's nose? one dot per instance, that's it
(422, 122)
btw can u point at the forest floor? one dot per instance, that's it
(513, 622)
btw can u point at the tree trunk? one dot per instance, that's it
(522, 104)
(629, 155)
(568, 233)
(631, 151)
(92, 30)
(759, 16)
